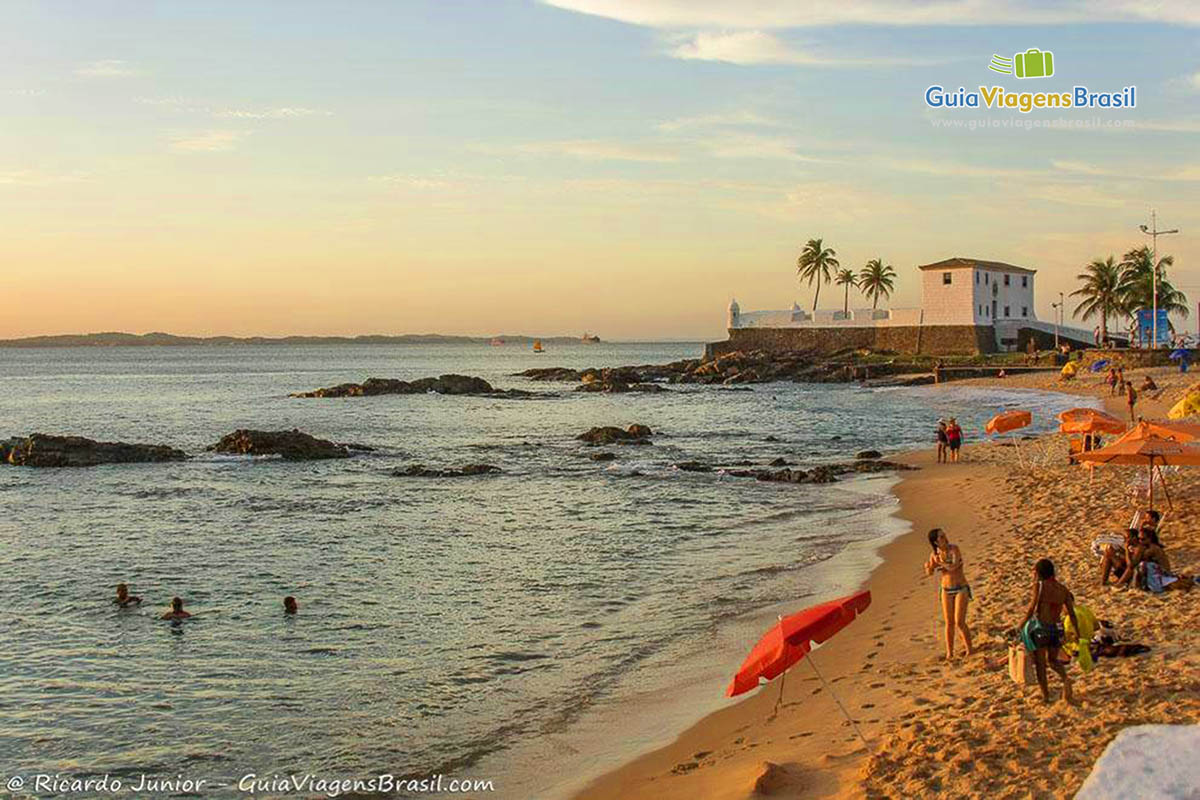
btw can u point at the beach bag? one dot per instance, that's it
(1020, 665)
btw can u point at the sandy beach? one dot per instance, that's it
(964, 727)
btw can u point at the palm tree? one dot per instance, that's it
(847, 278)
(816, 263)
(1100, 293)
(1137, 283)
(877, 280)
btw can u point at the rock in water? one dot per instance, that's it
(865, 455)
(44, 450)
(421, 471)
(610, 434)
(693, 466)
(293, 445)
(443, 384)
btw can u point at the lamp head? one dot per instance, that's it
(1144, 229)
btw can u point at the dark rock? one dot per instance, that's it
(44, 450)
(882, 466)
(864, 455)
(550, 374)
(693, 466)
(610, 434)
(293, 445)
(421, 471)
(605, 455)
(771, 439)
(444, 384)
(780, 462)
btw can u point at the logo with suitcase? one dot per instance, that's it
(1033, 63)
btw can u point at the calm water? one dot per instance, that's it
(468, 627)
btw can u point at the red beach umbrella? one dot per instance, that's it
(792, 638)
(1008, 421)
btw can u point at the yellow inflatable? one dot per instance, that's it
(1076, 644)
(1188, 406)
(1069, 370)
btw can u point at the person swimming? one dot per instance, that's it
(176, 612)
(124, 599)
(289, 605)
(1042, 629)
(955, 591)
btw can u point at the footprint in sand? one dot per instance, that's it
(877, 685)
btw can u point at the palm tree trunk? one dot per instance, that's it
(846, 301)
(874, 301)
(817, 295)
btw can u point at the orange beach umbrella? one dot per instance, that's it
(1008, 421)
(792, 638)
(1089, 420)
(1141, 447)
(1177, 431)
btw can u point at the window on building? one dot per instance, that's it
(985, 277)
(1006, 279)
(1024, 281)
(1024, 311)
(977, 277)
(1006, 311)
(946, 276)
(981, 311)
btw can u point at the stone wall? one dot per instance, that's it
(923, 340)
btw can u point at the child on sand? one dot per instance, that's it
(1042, 629)
(955, 591)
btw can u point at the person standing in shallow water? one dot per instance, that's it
(954, 436)
(124, 599)
(941, 441)
(176, 612)
(955, 592)
(289, 605)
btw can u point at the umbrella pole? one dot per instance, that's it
(779, 700)
(837, 699)
(1163, 478)
(1151, 483)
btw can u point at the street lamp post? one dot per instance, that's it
(1057, 312)
(1153, 232)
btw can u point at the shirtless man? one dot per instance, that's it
(1042, 627)
(176, 612)
(124, 599)
(955, 591)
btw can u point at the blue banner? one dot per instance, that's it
(1145, 327)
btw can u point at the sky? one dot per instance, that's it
(624, 167)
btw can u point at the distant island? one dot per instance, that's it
(170, 340)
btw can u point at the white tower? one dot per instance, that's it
(734, 312)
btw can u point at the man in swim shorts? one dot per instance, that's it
(1042, 629)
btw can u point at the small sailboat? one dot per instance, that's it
(590, 338)
(537, 346)
(497, 342)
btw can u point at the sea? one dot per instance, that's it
(563, 612)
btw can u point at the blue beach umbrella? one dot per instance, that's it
(1178, 354)
(1099, 365)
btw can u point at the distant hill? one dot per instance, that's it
(170, 340)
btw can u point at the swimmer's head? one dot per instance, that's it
(122, 591)
(177, 604)
(289, 605)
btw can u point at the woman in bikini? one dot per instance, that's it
(1042, 628)
(955, 591)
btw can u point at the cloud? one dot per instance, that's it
(1075, 195)
(111, 68)
(599, 150)
(749, 145)
(748, 47)
(729, 119)
(1080, 168)
(206, 141)
(412, 181)
(271, 113)
(774, 14)
(33, 178)
(955, 169)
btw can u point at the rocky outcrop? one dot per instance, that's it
(693, 466)
(293, 445)
(44, 450)
(824, 473)
(551, 374)
(603, 455)
(443, 384)
(421, 471)
(868, 455)
(610, 434)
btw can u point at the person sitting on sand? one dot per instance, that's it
(124, 599)
(289, 605)
(954, 436)
(1042, 629)
(1148, 384)
(942, 440)
(176, 612)
(1153, 567)
(1117, 558)
(955, 591)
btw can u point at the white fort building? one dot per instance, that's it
(968, 306)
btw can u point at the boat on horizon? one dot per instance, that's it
(496, 342)
(537, 346)
(589, 338)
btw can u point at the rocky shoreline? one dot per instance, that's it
(464, 385)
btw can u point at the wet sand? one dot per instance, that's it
(964, 727)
